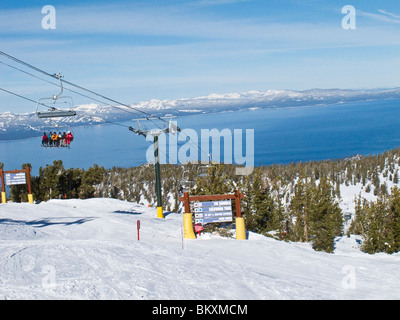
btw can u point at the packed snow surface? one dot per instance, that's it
(88, 249)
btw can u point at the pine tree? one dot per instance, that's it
(50, 179)
(357, 225)
(396, 177)
(216, 181)
(69, 182)
(299, 211)
(325, 217)
(394, 221)
(379, 223)
(374, 225)
(263, 215)
(91, 177)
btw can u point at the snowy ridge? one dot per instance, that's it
(19, 126)
(263, 99)
(14, 126)
(88, 249)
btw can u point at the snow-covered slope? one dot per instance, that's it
(88, 249)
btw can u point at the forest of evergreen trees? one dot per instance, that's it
(294, 202)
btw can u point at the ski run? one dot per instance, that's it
(89, 249)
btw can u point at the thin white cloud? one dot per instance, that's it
(382, 15)
(102, 48)
(77, 23)
(389, 14)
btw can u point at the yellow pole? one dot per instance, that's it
(3, 187)
(160, 213)
(188, 226)
(240, 229)
(28, 181)
(4, 197)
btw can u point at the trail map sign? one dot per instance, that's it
(212, 208)
(212, 211)
(15, 178)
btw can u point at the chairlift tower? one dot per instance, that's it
(155, 133)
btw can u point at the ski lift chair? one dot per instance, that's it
(58, 106)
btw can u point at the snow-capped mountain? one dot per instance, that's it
(265, 99)
(15, 126)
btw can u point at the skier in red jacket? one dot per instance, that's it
(45, 140)
(68, 138)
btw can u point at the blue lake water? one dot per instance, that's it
(281, 135)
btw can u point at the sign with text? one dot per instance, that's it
(212, 211)
(15, 178)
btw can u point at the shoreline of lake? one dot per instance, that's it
(281, 136)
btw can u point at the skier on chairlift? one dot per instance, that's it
(45, 140)
(69, 138)
(54, 137)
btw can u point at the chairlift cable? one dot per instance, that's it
(23, 97)
(57, 77)
(31, 100)
(71, 90)
(25, 64)
(74, 85)
(106, 121)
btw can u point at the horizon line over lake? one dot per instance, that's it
(281, 136)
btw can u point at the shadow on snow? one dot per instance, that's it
(67, 221)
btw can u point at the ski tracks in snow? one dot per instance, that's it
(88, 249)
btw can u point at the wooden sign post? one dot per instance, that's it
(188, 216)
(15, 177)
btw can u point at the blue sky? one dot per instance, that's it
(158, 49)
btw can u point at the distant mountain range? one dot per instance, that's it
(17, 126)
